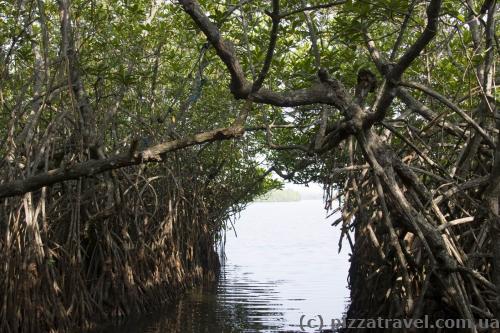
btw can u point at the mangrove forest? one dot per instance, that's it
(133, 133)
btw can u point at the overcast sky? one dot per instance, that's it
(314, 190)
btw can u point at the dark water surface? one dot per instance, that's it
(282, 265)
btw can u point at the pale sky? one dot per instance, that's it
(313, 190)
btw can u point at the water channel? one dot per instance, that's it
(281, 265)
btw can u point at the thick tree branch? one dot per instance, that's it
(321, 92)
(423, 40)
(270, 49)
(393, 72)
(239, 85)
(93, 167)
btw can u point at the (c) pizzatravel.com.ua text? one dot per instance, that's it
(318, 322)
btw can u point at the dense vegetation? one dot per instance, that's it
(77, 90)
(133, 130)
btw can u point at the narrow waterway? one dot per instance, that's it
(282, 265)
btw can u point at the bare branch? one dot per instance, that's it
(453, 107)
(427, 113)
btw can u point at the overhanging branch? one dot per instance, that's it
(93, 167)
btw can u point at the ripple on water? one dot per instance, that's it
(284, 264)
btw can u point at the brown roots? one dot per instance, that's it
(84, 251)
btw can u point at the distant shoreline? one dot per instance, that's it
(284, 195)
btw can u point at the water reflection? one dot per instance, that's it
(283, 264)
(232, 306)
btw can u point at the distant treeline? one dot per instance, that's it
(280, 196)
